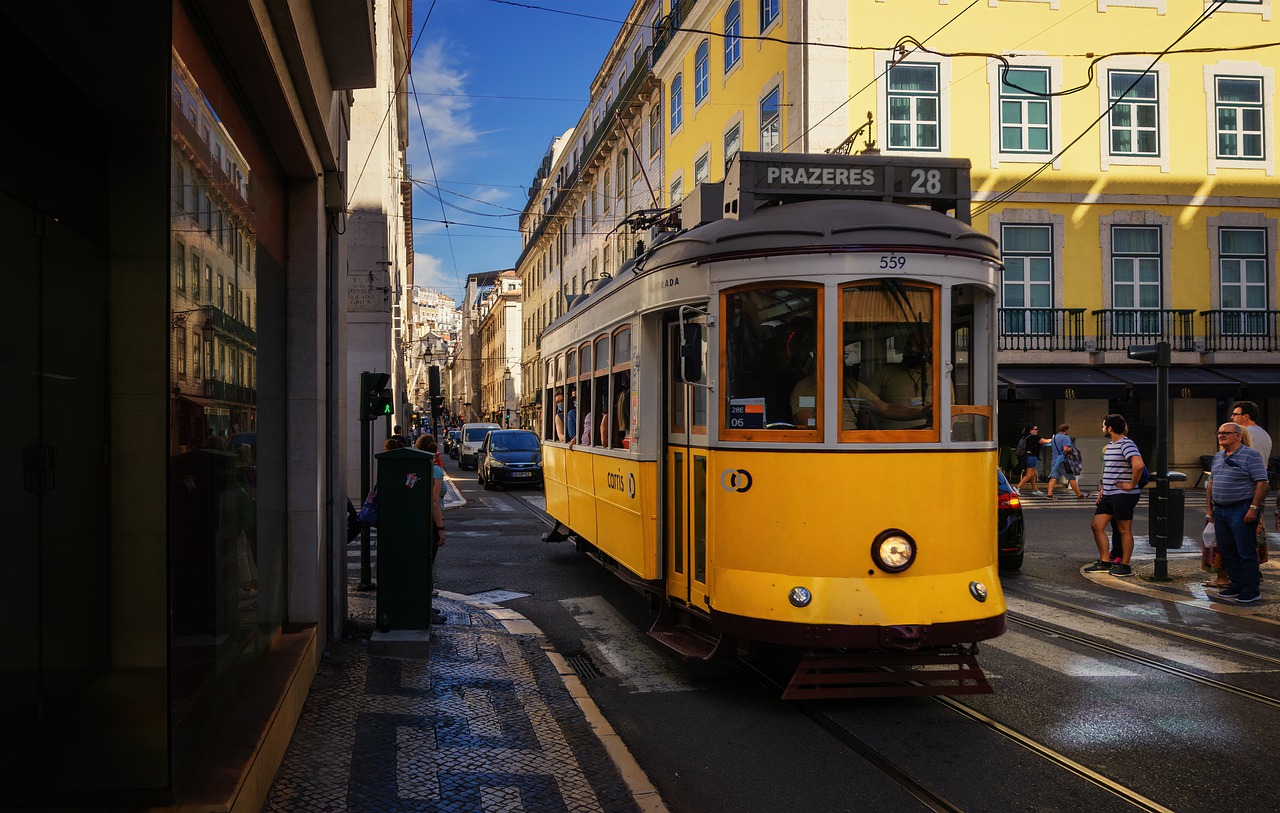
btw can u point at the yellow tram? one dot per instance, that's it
(779, 422)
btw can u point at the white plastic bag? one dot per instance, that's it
(1210, 536)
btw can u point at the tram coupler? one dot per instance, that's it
(556, 534)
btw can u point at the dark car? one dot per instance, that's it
(1012, 536)
(451, 442)
(510, 457)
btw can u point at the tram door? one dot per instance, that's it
(686, 463)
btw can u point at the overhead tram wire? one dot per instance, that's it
(988, 205)
(453, 256)
(387, 113)
(877, 77)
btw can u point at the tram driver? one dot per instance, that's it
(857, 396)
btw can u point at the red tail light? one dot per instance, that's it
(1009, 500)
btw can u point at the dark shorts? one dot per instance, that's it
(1119, 506)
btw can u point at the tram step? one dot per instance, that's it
(684, 643)
(886, 674)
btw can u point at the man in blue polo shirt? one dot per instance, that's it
(1237, 487)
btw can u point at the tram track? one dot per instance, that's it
(922, 793)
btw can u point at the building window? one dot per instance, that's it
(623, 186)
(702, 169)
(768, 13)
(180, 266)
(1135, 114)
(677, 96)
(677, 191)
(1242, 267)
(914, 104)
(195, 277)
(732, 143)
(606, 199)
(1238, 110)
(732, 35)
(180, 355)
(1024, 110)
(1027, 284)
(771, 122)
(1135, 279)
(701, 73)
(655, 128)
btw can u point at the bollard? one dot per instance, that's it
(405, 543)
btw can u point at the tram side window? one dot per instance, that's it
(972, 308)
(772, 365)
(600, 424)
(620, 419)
(585, 419)
(549, 409)
(888, 376)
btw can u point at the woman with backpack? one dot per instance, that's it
(1029, 453)
(1067, 463)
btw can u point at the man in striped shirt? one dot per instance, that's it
(1237, 487)
(1121, 473)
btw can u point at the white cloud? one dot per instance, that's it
(447, 118)
(430, 271)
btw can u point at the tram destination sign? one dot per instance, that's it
(755, 178)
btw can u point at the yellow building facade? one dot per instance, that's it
(1122, 152)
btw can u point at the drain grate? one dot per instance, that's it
(582, 666)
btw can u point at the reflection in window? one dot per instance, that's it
(887, 377)
(771, 353)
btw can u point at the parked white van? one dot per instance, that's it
(469, 443)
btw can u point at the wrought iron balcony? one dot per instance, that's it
(1117, 328)
(1042, 329)
(1241, 330)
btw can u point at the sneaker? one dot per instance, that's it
(1051, 497)
(1248, 599)
(1037, 494)
(1121, 570)
(1230, 591)
(1099, 567)
(1083, 495)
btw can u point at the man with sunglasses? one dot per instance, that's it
(1236, 489)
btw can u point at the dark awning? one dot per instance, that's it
(1053, 383)
(1259, 382)
(1184, 382)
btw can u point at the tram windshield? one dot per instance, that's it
(887, 340)
(887, 337)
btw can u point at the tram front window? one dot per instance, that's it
(889, 337)
(771, 346)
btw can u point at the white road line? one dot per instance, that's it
(1149, 644)
(1056, 658)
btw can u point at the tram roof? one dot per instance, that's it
(804, 227)
(840, 225)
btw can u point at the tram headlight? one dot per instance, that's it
(893, 550)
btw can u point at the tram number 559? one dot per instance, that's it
(893, 262)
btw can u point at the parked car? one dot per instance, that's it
(451, 442)
(1012, 536)
(469, 442)
(510, 457)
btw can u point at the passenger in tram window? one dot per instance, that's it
(906, 383)
(559, 408)
(571, 417)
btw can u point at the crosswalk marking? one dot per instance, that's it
(1149, 644)
(1056, 658)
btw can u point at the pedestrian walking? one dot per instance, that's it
(1122, 471)
(1029, 448)
(1237, 486)
(1065, 457)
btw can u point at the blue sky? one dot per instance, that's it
(495, 83)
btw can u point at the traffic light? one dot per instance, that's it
(375, 398)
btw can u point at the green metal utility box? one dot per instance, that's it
(406, 544)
